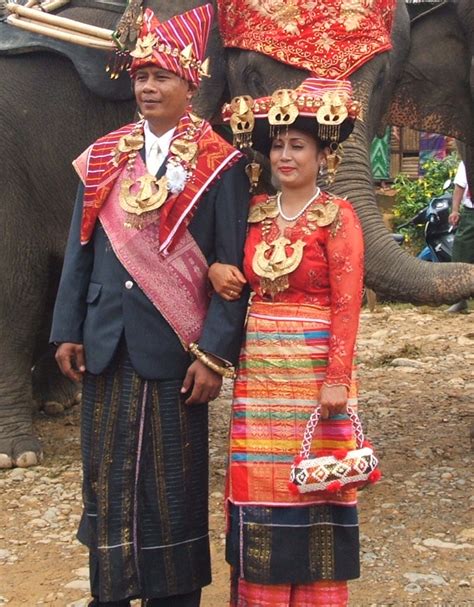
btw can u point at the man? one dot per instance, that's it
(462, 217)
(160, 200)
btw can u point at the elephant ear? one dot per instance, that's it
(213, 91)
(434, 93)
(436, 88)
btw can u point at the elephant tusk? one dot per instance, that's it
(34, 19)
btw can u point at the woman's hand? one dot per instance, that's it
(227, 280)
(333, 400)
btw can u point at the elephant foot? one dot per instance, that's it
(56, 397)
(53, 392)
(54, 407)
(5, 461)
(22, 452)
(460, 306)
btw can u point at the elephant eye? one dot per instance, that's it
(253, 82)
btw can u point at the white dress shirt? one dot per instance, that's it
(461, 181)
(156, 148)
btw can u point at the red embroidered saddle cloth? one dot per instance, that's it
(330, 38)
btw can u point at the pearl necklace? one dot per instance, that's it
(301, 211)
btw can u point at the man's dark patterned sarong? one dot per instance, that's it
(145, 464)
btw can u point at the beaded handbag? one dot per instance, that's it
(336, 470)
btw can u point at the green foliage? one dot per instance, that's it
(414, 194)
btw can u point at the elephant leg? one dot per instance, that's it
(18, 444)
(23, 300)
(53, 392)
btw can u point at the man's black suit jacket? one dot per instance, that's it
(98, 302)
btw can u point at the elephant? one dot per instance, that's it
(425, 82)
(45, 122)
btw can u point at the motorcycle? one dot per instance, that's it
(439, 233)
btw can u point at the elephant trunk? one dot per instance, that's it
(391, 271)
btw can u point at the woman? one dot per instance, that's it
(304, 263)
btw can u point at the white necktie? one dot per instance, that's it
(154, 158)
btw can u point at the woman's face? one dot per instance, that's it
(295, 158)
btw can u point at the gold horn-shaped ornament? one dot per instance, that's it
(283, 111)
(144, 47)
(242, 120)
(253, 171)
(186, 56)
(330, 116)
(204, 70)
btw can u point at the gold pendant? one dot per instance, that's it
(322, 214)
(260, 212)
(278, 263)
(151, 195)
(185, 150)
(128, 144)
(273, 287)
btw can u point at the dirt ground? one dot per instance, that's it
(417, 388)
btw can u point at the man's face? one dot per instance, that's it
(161, 96)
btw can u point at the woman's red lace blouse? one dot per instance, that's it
(330, 273)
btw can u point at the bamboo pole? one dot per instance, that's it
(35, 15)
(60, 34)
(52, 5)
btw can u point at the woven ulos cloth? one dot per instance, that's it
(281, 369)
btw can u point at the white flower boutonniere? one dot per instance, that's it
(177, 176)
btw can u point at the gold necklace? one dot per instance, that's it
(147, 193)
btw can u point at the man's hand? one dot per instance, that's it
(205, 383)
(454, 218)
(70, 358)
(333, 400)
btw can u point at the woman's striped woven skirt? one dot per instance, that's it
(280, 544)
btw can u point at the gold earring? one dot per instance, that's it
(333, 160)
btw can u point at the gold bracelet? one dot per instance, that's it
(227, 372)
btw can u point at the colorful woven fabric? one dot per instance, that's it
(297, 545)
(282, 367)
(142, 541)
(177, 45)
(330, 273)
(159, 276)
(331, 39)
(317, 594)
(99, 172)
